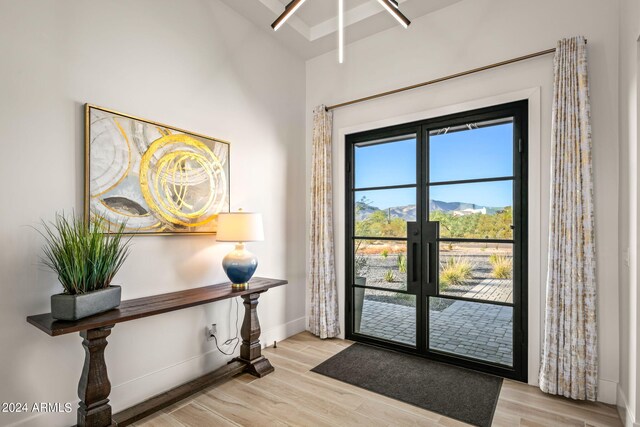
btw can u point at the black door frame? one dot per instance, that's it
(519, 111)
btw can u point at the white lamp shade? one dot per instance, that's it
(240, 227)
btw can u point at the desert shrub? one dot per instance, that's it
(389, 276)
(455, 271)
(402, 263)
(502, 267)
(385, 253)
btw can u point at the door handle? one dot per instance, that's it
(431, 248)
(428, 263)
(414, 262)
(413, 257)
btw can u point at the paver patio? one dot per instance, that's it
(492, 290)
(481, 331)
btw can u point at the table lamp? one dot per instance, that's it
(240, 227)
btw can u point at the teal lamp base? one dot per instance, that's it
(239, 265)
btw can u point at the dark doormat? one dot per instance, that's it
(455, 392)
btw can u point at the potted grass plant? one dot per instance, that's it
(86, 258)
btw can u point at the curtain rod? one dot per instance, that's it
(442, 79)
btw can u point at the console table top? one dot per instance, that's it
(150, 306)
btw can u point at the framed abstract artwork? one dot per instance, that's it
(157, 179)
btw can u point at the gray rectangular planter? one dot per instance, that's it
(74, 307)
(358, 302)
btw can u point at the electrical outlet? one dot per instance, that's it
(212, 331)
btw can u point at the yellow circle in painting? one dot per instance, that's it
(180, 178)
(171, 168)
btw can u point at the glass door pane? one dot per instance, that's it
(385, 162)
(471, 193)
(390, 316)
(383, 201)
(479, 210)
(384, 213)
(381, 264)
(471, 329)
(476, 270)
(479, 150)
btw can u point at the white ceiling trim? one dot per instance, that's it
(351, 17)
(330, 26)
(313, 31)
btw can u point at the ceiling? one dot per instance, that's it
(313, 29)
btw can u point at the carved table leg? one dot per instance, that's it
(94, 387)
(250, 351)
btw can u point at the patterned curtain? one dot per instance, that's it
(324, 318)
(570, 361)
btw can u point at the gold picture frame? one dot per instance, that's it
(159, 179)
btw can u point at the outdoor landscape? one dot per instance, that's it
(463, 266)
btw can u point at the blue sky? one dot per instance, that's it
(478, 153)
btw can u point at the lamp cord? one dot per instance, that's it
(235, 339)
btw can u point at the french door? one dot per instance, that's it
(436, 238)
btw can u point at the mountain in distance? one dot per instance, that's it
(408, 213)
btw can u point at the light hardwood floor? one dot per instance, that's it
(294, 396)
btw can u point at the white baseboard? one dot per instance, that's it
(281, 332)
(626, 416)
(607, 391)
(139, 389)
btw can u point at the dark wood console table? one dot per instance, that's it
(94, 387)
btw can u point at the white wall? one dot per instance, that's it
(628, 395)
(470, 34)
(193, 64)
